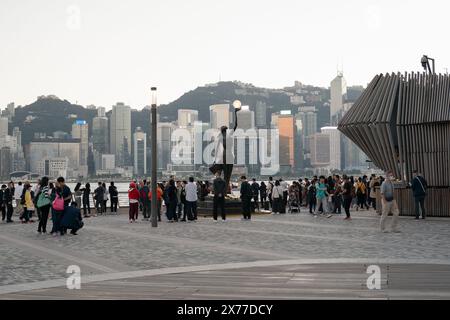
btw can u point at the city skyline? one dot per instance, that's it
(115, 52)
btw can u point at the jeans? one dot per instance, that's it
(191, 210)
(324, 202)
(246, 208)
(114, 201)
(420, 206)
(57, 218)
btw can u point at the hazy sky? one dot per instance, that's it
(115, 50)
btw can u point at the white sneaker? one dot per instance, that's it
(215, 221)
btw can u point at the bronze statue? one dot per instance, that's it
(220, 164)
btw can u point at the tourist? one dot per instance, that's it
(419, 190)
(361, 194)
(311, 196)
(277, 197)
(170, 199)
(246, 198)
(263, 195)
(105, 197)
(35, 189)
(29, 204)
(255, 191)
(388, 203)
(144, 200)
(133, 199)
(66, 194)
(270, 186)
(322, 197)
(285, 187)
(191, 200)
(3, 202)
(183, 200)
(373, 184)
(72, 219)
(99, 193)
(86, 200)
(78, 194)
(9, 200)
(347, 196)
(180, 190)
(114, 195)
(44, 203)
(159, 198)
(219, 189)
(337, 195)
(17, 197)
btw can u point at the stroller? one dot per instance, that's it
(294, 202)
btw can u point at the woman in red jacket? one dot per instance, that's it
(133, 197)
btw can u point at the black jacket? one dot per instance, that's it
(219, 187)
(419, 187)
(246, 191)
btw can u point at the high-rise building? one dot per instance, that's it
(11, 108)
(335, 147)
(80, 130)
(186, 117)
(41, 150)
(120, 133)
(286, 127)
(18, 135)
(100, 139)
(246, 118)
(320, 150)
(5, 162)
(140, 152)
(306, 125)
(261, 114)
(3, 127)
(164, 134)
(219, 115)
(338, 92)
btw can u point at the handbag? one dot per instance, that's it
(58, 203)
(42, 200)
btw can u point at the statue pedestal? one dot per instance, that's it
(232, 206)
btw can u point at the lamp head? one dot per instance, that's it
(424, 62)
(154, 100)
(237, 105)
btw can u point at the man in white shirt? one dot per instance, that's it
(17, 197)
(191, 200)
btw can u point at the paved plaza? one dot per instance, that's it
(293, 256)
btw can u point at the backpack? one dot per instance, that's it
(58, 203)
(42, 200)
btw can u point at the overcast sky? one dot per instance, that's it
(115, 50)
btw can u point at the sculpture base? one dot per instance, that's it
(233, 206)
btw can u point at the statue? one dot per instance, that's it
(220, 162)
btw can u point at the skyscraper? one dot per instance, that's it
(219, 115)
(338, 92)
(286, 127)
(80, 130)
(335, 147)
(120, 133)
(320, 150)
(140, 152)
(306, 122)
(261, 114)
(3, 127)
(164, 136)
(100, 138)
(186, 117)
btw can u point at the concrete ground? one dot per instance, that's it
(272, 257)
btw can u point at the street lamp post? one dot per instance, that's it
(154, 215)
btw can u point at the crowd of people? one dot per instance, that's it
(42, 200)
(320, 196)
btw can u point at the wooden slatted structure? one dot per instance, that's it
(402, 123)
